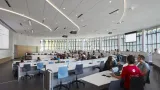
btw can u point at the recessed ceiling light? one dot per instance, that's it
(30, 23)
(117, 11)
(32, 31)
(55, 7)
(64, 8)
(22, 15)
(110, 1)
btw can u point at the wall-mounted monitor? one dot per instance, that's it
(130, 37)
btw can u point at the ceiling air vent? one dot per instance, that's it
(109, 32)
(21, 24)
(114, 11)
(65, 36)
(56, 28)
(79, 15)
(7, 3)
(73, 32)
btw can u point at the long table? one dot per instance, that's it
(98, 79)
(41, 56)
(33, 64)
(71, 63)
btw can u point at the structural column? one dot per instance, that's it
(118, 42)
(143, 41)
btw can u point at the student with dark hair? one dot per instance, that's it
(93, 56)
(131, 70)
(108, 64)
(88, 56)
(22, 61)
(38, 59)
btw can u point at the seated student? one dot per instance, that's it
(58, 57)
(83, 56)
(22, 61)
(108, 64)
(129, 71)
(102, 55)
(88, 56)
(38, 59)
(93, 56)
(143, 66)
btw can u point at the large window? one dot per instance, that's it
(131, 46)
(152, 39)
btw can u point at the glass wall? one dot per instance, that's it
(81, 44)
(152, 39)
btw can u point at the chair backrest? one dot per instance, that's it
(62, 72)
(79, 69)
(147, 78)
(51, 62)
(40, 66)
(27, 67)
(136, 83)
(101, 66)
(17, 63)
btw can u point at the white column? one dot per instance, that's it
(143, 40)
(118, 42)
(100, 43)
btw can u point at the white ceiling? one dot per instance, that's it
(96, 16)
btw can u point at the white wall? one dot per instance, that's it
(26, 40)
(8, 52)
(17, 39)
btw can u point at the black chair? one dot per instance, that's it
(137, 83)
(100, 67)
(17, 63)
(147, 78)
(78, 70)
(115, 85)
(26, 68)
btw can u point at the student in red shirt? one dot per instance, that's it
(129, 71)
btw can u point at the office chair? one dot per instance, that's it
(147, 80)
(115, 85)
(26, 68)
(17, 63)
(51, 62)
(78, 70)
(136, 83)
(62, 73)
(40, 66)
(101, 66)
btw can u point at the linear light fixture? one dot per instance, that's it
(22, 15)
(55, 7)
(124, 11)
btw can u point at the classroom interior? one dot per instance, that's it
(79, 44)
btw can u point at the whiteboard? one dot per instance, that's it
(4, 37)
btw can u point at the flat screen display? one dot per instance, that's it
(4, 37)
(130, 37)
